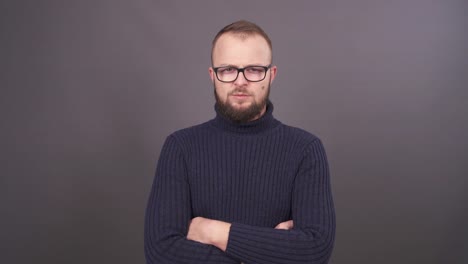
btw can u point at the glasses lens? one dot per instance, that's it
(254, 73)
(227, 74)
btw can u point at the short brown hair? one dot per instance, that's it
(243, 29)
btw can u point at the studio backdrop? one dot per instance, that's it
(91, 89)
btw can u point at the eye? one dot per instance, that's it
(227, 70)
(255, 69)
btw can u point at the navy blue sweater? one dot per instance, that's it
(253, 175)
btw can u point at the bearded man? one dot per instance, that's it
(242, 187)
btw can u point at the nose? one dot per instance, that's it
(240, 79)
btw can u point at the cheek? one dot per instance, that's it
(222, 92)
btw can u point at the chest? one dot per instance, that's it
(246, 183)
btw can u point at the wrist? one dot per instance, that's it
(219, 234)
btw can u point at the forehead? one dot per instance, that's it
(241, 50)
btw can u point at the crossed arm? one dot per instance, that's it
(216, 233)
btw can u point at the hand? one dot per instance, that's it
(285, 225)
(208, 231)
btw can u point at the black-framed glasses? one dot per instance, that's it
(251, 73)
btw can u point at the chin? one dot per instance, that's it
(240, 103)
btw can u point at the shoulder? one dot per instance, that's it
(192, 130)
(189, 134)
(308, 144)
(304, 137)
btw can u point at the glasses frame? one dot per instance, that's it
(266, 68)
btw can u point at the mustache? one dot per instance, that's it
(239, 91)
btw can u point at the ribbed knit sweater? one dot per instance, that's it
(253, 175)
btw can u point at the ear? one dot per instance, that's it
(273, 72)
(212, 74)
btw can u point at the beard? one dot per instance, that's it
(241, 115)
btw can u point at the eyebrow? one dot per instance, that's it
(235, 66)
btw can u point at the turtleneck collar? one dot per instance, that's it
(264, 123)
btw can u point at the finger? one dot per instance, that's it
(285, 225)
(281, 226)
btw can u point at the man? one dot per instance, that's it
(242, 187)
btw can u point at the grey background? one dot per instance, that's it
(90, 90)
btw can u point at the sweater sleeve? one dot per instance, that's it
(311, 240)
(168, 215)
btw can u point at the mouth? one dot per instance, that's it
(240, 95)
